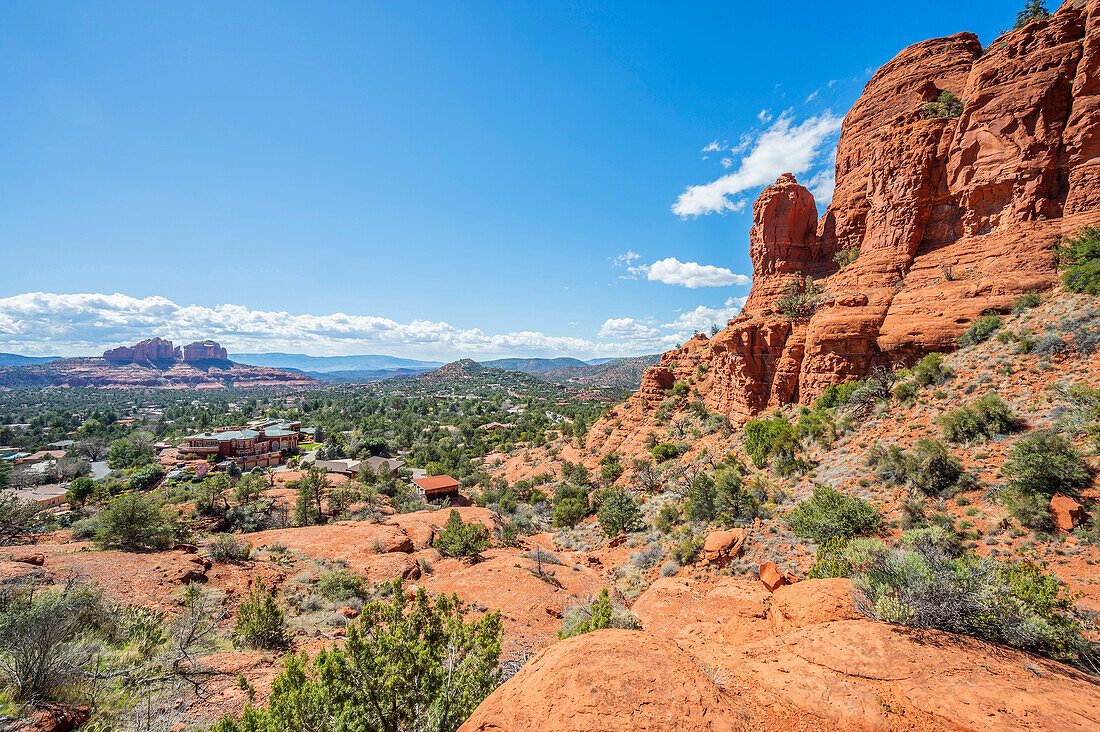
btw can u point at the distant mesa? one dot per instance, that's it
(154, 350)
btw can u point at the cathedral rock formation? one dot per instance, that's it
(152, 349)
(938, 219)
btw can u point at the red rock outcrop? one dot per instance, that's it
(151, 349)
(947, 217)
(204, 351)
(607, 680)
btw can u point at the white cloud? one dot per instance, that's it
(624, 259)
(764, 116)
(713, 147)
(783, 148)
(86, 324)
(813, 95)
(672, 271)
(702, 317)
(626, 328)
(727, 162)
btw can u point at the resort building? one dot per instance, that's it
(256, 445)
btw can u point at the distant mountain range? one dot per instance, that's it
(329, 364)
(613, 373)
(14, 359)
(378, 367)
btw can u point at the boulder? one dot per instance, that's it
(36, 559)
(1066, 513)
(812, 602)
(772, 578)
(722, 546)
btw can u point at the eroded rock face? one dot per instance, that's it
(950, 217)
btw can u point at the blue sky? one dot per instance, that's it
(422, 179)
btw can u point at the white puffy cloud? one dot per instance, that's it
(85, 324)
(672, 271)
(782, 148)
(702, 317)
(626, 328)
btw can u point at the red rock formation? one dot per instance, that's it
(204, 351)
(950, 217)
(152, 349)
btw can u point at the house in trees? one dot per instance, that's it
(434, 488)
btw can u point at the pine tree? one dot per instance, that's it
(1033, 10)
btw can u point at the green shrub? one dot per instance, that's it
(799, 298)
(929, 468)
(146, 477)
(1016, 604)
(836, 395)
(1079, 257)
(226, 548)
(600, 614)
(618, 512)
(339, 585)
(664, 451)
(818, 427)
(721, 498)
(79, 491)
(1046, 463)
(458, 539)
(687, 548)
(830, 560)
(133, 520)
(405, 662)
(830, 514)
(980, 330)
(905, 391)
(930, 370)
(1026, 301)
(260, 622)
(767, 438)
(571, 505)
(947, 105)
(986, 417)
(1031, 510)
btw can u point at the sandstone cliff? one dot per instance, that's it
(937, 218)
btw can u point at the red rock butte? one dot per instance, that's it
(939, 218)
(158, 349)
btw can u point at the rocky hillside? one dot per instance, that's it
(618, 373)
(102, 374)
(942, 211)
